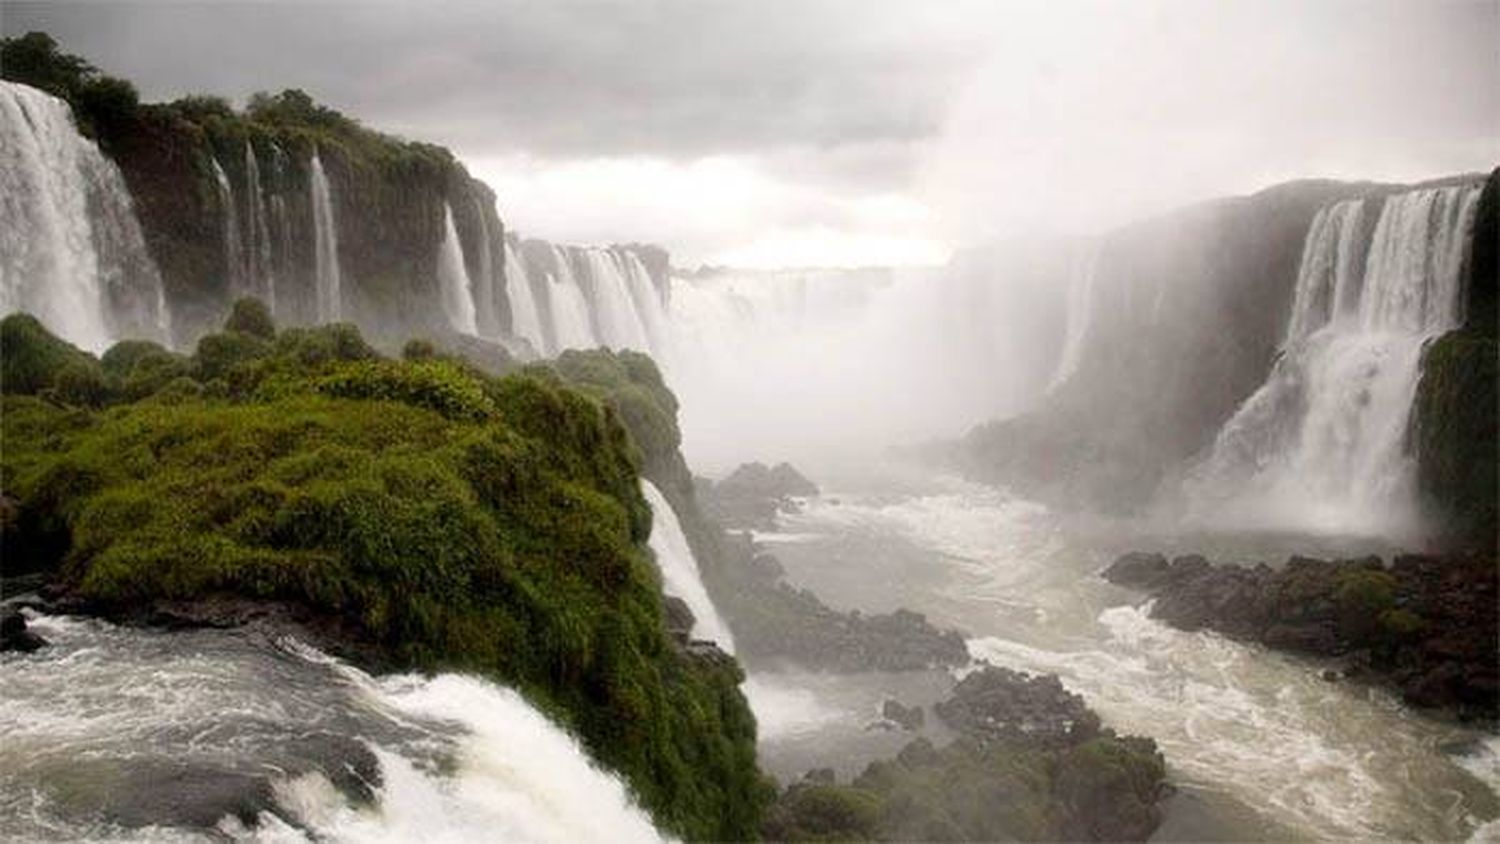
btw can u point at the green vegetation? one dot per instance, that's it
(1457, 414)
(449, 519)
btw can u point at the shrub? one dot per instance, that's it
(251, 316)
(436, 385)
(31, 357)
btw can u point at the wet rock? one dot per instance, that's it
(906, 717)
(998, 703)
(752, 495)
(1424, 624)
(13, 633)
(677, 618)
(820, 776)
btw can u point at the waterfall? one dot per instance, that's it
(525, 320)
(96, 728)
(326, 247)
(1080, 315)
(679, 570)
(619, 324)
(1322, 443)
(644, 296)
(71, 249)
(570, 311)
(453, 279)
(259, 252)
(486, 304)
(234, 250)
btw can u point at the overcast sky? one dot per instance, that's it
(830, 132)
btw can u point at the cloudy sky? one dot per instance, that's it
(773, 132)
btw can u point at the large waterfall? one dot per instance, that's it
(326, 247)
(571, 325)
(1322, 444)
(453, 279)
(525, 320)
(620, 326)
(71, 250)
(679, 569)
(118, 733)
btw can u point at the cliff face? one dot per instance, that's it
(1187, 316)
(1457, 409)
(388, 200)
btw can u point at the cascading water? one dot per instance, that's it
(259, 252)
(73, 254)
(453, 279)
(1321, 444)
(486, 306)
(234, 250)
(525, 320)
(330, 301)
(643, 295)
(1080, 315)
(570, 311)
(120, 733)
(679, 569)
(619, 324)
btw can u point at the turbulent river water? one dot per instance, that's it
(123, 734)
(1258, 745)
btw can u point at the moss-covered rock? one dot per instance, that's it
(990, 784)
(1455, 422)
(32, 358)
(438, 517)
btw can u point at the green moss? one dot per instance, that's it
(454, 521)
(1455, 419)
(32, 358)
(251, 316)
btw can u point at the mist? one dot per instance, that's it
(750, 421)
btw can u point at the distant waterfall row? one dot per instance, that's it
(71, 250)
(1323, 441)
(563, 297)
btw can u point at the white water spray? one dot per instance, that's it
(679, 569)
(619, 325)
(94, 722)
(525, 319)
(570, 311)
(71, 251)
(1321, 445)
(326, 247)
(453, 279)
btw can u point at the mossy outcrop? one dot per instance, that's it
(772, 621)
(436, 517)
(1002, 779)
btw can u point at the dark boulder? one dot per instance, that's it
(998, 703)
(1425, 624)
(907, 717)
(13, 633)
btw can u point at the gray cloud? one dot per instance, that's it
(678, 79)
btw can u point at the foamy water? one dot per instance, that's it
(1256, 730)
(458, 758)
